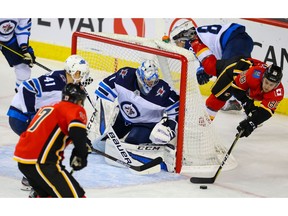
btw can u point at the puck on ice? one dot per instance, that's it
(203, 186)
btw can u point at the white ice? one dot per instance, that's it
(261, 172)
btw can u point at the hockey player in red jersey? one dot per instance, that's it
(248, 80)
(40, 149)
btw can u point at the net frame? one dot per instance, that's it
(157, 47)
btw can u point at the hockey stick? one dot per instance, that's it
(143, 167)
(49, 70)
(110, 133)
(19, 54)
(200, 180)
(102, 125)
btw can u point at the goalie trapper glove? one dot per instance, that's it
(248, 126)
(28, 55)
(76, 162)
(161, 133)
(202, 76)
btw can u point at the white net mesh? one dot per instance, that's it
(199, 147)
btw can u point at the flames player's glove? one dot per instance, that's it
(249, 107)
(202, 76)
(247, 126)
(28, 53)
(89, 146)
(77, 162)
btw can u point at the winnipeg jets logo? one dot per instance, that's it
(7, 28)
(129, 109)
(160, 91)
(123, 73)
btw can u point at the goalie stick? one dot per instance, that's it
(110, 133)
(143, 167)
(204, 180)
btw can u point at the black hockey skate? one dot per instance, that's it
(25, 184)
(232, 105)
(33, 194)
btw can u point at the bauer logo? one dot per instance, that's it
(130, 109)
(118, 145)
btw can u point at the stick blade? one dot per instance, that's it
(150, 164)
(199, 180)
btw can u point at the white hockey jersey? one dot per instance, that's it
(37, 92)
(212, 36)
(20, 28)
(135, 106)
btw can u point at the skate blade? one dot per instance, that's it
(25, 188)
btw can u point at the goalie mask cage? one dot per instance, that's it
(199, 148)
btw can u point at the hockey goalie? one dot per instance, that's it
(146, 119)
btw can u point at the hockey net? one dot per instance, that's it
(199, 147)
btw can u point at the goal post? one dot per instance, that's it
(199, 148)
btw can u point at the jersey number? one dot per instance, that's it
(213, 29)
(40, 117)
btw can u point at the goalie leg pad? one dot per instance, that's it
(119, 153)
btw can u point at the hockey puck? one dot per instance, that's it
(203, 187)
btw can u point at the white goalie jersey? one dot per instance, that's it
(135, 106)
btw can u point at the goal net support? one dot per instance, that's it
(199, 147)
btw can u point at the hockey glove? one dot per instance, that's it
(202, 76)
(89, 146)
(247, 126)
(249, 107)
(87, 82)
(28, 53)
(76, 162)
(161, 133)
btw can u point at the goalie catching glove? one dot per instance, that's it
(162, 133)
(28, 55)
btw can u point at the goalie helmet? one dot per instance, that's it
(73, 93)
(185, 31)
(147, 76)
(273, 73)
(76, 63)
